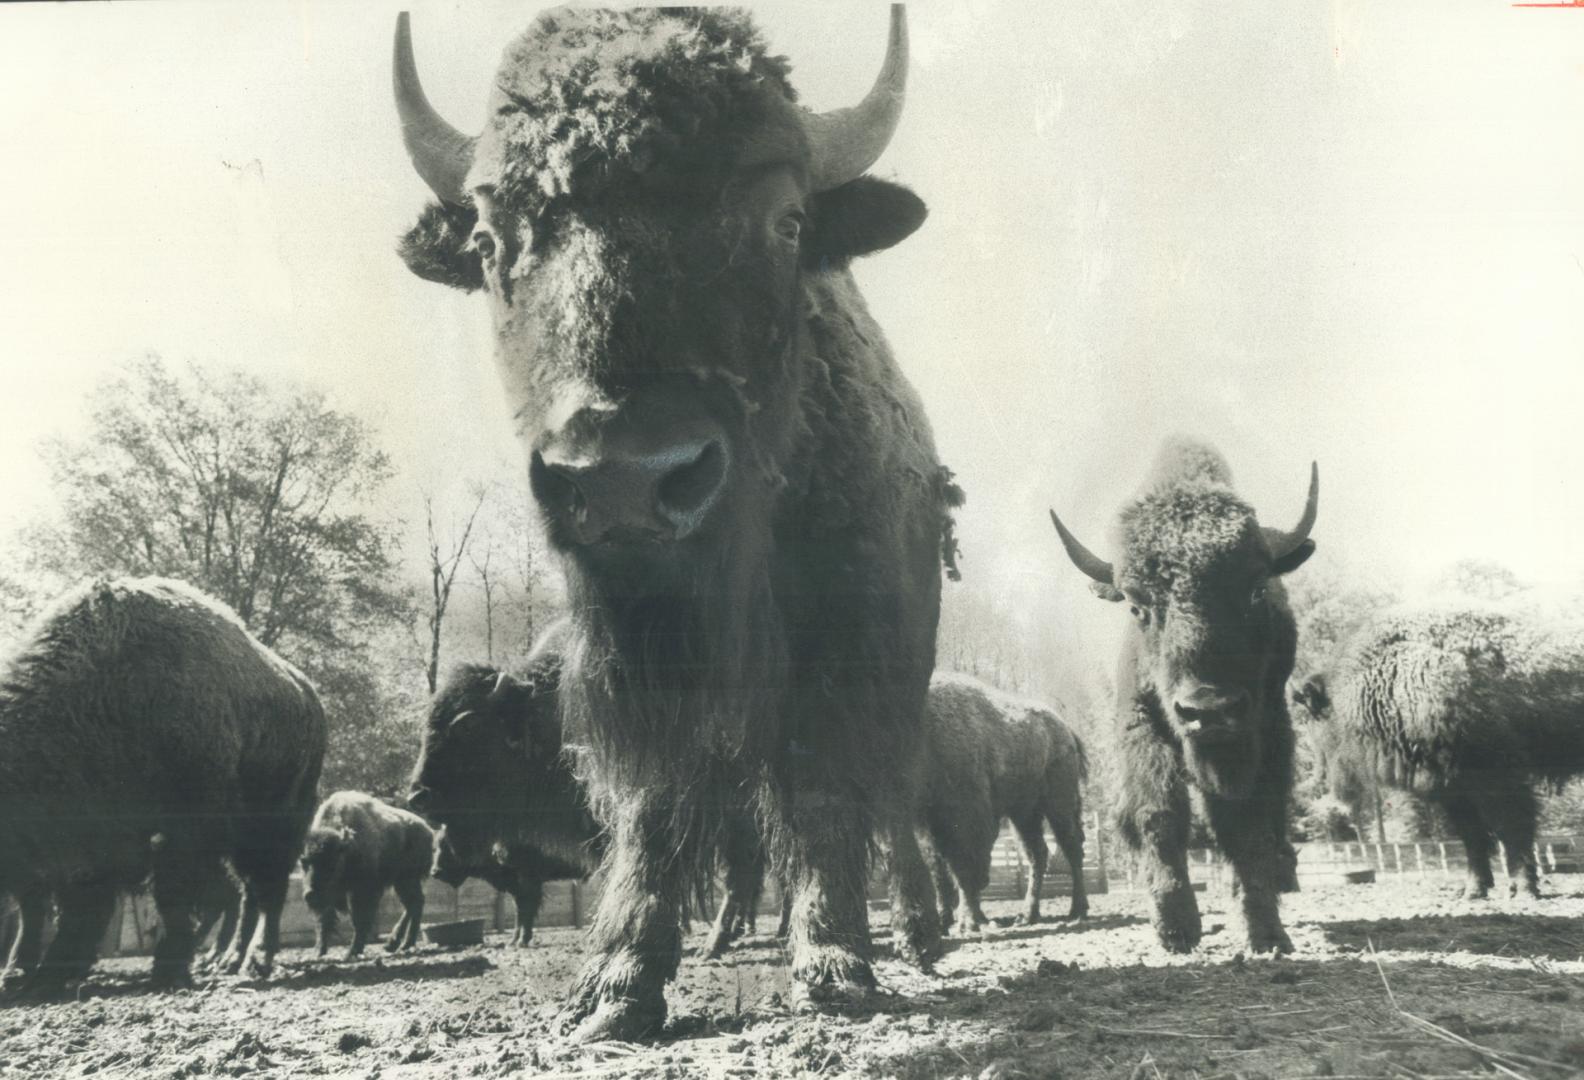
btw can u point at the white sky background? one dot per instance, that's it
(1349, 232)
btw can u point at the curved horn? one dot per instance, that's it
(499, 687)
(845, 142)
(1285, 543)
(1082, 557)
(440, 153)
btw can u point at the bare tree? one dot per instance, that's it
(442, 575)
(488, 584)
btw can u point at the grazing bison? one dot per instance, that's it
(1201, 685)
(145, 735)
(357, 848)
(740, 484)
(1468, 706)
(493, 775)
(993, 757)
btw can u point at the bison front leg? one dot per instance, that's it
(527, 895)
(85, 909)
(1154, 823)
(1469, 826)
(915, 923)
(828, 877)
(1243, 830)
(635, 942)
(743, 853)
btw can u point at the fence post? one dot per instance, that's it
(1442, 845)
(577, 907)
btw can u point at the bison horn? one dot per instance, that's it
(1082, 557)
(1285, 543)
(499, 688)
(440, 153)
(845, 142)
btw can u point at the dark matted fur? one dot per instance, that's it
(144, 731)
(1469, 706)
(993, 757)
(493, 774)
(357, 848)
(1197, 571)
(633, 184)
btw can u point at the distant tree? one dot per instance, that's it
(1480, 579)
(442, 576)
(262, 495)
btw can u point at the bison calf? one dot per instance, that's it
(992, 757)
(357, 848)
(1469, 707)
(145, 735)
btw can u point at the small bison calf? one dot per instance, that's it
(356, 849)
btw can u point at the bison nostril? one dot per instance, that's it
(554, 488)
(686, 492)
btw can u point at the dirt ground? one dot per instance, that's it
(1476, 988)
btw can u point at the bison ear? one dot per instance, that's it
(1293, 559)
(1105, 591)
(862, 216)
(437, 248)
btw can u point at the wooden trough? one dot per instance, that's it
(456, 934)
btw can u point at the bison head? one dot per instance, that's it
(324, 867)
(641, 210)
(491, 743)
(1212, 636)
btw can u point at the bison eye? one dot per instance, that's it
(1141, 613)
(1257, 596)
(484, 244)
(790, 227)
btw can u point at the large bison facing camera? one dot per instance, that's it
(145, 735)
(1200, 687)
(357, 848)
(1468, 706)
(740, 485)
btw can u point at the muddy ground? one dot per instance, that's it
(1476, 988)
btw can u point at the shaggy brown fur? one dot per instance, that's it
(1200, 697)
(1469, 706)
(993, 757)
(662, 274)
(356, 849)
(144, 732)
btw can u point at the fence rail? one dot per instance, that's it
(567, 904)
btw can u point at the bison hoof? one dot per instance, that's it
(1476, 892)
(259, 966)
(622, 1020)
(1028, 918)
(1177, 921)
(1078, 911)
(1270, 940)
(829, 977)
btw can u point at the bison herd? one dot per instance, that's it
(745, 501)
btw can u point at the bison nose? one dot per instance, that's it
(1205, 709)
(657, 493)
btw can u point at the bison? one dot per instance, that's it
(1200, 687)
(357, 848)
(993, 757)
(1469, 706)
(492, 773)
(739, 483)
(146, 735)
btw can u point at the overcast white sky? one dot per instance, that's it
(1349, 232)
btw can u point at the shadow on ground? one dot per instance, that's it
(1496, 934)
